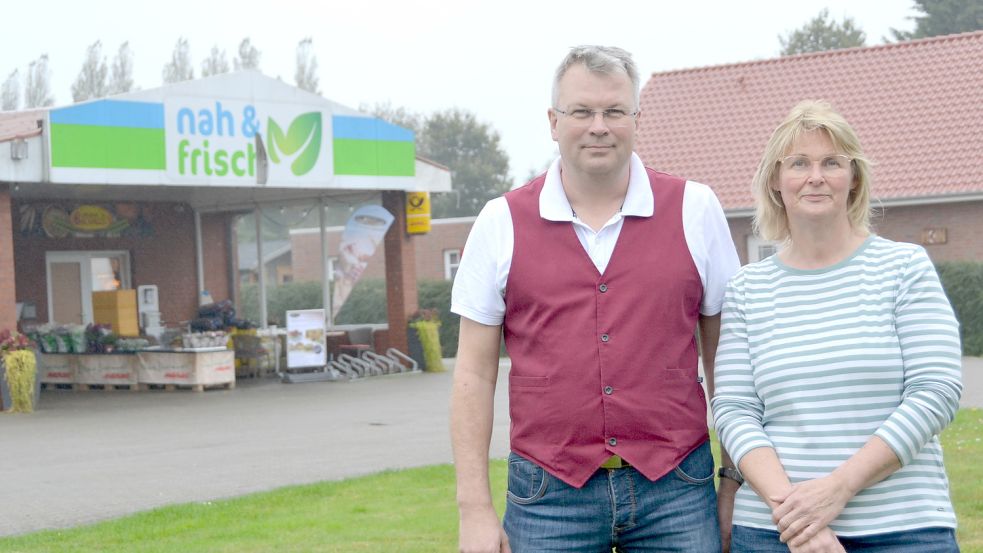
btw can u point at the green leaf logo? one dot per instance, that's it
(304, 136)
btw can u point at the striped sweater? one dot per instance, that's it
(814, 362)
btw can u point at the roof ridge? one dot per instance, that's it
(826, 53)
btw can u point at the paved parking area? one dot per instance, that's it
(84, 457)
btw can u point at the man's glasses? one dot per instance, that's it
(613, 117)
(830, 166)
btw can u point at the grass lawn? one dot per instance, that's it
(392, 512)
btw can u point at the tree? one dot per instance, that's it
(37, 87)
(473, 152)
(399, 116)
(10, 92)
(943, 17)
(821, 34)
(121, 79)
(470, 149)
(248, 57)
(306, 74)
(215, 63)
(179, 68)
(91, 82)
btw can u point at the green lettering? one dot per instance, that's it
(252, 159)
(221, 163)
(236, 158)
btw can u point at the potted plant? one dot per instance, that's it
(425, 328)
(20, 388)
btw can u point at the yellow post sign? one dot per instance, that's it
(417, 212)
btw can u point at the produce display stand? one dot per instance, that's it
(194, 369)
(57, 369)
(106, 371)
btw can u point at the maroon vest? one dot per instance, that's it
(603, 364)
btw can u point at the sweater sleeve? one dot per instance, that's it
(929, 337)
(737, 409)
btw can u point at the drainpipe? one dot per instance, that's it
(260, 267)
(199, 255)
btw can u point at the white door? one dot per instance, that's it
(73, 276)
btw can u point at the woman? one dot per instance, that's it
(838, 364)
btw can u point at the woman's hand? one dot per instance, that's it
(823, 542)
(809, 508)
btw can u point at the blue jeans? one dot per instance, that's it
(924, 540)
(616, 508)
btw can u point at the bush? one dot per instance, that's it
(279, 300)
(366, 305)
(436, 294)
(963, 284)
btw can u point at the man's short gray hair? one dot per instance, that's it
(598, 59)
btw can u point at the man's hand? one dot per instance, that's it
(809, 507)
(823, 542)
(481, 532)
(726, 492)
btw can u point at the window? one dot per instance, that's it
(72, 276)
(758, 248)
(332, 267)
(452, 258)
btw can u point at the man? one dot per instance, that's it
(597, 274)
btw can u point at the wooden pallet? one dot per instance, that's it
(59, 386)
(186, 387)
(106, 388)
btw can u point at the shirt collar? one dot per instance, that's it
(554, 205)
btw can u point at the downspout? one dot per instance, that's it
(199, 255)
(260, 267)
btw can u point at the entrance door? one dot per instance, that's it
(65, 284)
(73, 276)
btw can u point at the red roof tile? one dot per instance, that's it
(917, 107)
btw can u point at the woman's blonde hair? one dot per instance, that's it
(770, 219)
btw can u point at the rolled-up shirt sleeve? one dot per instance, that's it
(929, 338)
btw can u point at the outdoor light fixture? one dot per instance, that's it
(18, 149)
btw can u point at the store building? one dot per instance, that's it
(143, 188)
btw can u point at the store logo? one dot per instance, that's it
(302, 142)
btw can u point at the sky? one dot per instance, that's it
(493, 58)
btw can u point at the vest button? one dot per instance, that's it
(612, 441)
(605, 337)
(608, 390)
(603, 288)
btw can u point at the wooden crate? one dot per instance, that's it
(107, 369)
(195, 370)
(57, 368)
(117, 308)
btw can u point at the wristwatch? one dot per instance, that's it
(732, 473)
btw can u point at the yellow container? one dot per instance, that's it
(117, 308)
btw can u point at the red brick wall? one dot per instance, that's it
(216, 250)
(963, 223)
(740, 230)
(166, 258)
(8, 296)
(400, 251)
(306, 251)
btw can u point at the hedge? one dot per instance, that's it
(962, 280)
(963, 284)
(366, 305)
